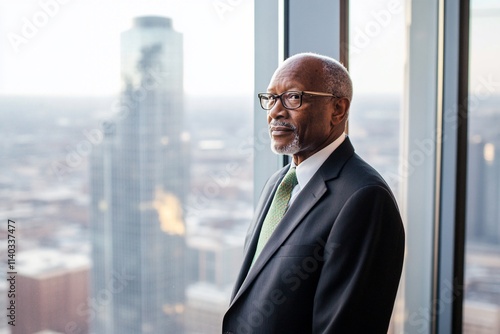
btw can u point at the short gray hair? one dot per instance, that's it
(336, 77)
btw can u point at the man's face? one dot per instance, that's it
(306, 130)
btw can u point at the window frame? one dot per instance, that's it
(279, 33)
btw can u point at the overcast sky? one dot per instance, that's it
(75, 49)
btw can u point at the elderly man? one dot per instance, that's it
(324, 252)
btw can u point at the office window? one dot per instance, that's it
(481, 308)
(127, 161)
(376, 63)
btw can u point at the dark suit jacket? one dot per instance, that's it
(333, 263)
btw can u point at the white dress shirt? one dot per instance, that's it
(307, 168)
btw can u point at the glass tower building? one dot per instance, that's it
(138, 188)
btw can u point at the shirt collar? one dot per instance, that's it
(309, 167)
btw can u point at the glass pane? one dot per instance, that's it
(127, 167)
(376, 64)
(482, 267)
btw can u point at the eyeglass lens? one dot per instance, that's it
(289, 100)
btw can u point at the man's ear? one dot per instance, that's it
(341, 110)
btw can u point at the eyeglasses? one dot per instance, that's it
(290, 100)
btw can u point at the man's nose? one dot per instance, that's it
(278, 110)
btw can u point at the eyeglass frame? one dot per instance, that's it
(301, 93)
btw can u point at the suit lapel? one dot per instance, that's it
(254, 230)
(304, 202)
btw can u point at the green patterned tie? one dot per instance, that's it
(276, 210)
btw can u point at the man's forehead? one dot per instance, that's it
(287, 74)
(285, 82)
(300, 72)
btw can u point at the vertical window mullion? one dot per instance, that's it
(453, 163)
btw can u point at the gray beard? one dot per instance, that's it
(292, 148)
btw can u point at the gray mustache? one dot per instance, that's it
(281, 123)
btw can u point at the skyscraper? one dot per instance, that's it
(483, 213)
(139, 180)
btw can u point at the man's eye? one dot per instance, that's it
(293, 96)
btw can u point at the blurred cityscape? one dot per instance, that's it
(52, 211)
(133, 221)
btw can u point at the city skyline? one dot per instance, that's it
(220, 128)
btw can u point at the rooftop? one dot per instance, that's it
(43, 262)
